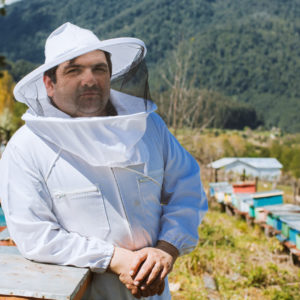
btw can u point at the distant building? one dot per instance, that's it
(263, 168)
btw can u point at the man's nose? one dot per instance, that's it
(88, 78)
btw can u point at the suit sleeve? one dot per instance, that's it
(185, 202)
(32, 224)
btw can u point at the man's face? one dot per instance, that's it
(82, 85)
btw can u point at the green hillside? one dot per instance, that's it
(247, 51)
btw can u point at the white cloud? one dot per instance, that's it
(8, 2)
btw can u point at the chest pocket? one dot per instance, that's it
(150, 193)
(82, 211)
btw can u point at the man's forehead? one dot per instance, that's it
(97, 56)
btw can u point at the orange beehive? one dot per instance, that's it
(244, 187)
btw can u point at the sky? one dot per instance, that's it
(7, 2)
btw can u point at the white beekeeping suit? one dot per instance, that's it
(74, 188)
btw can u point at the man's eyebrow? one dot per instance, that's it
(102, 64)
(71, 64)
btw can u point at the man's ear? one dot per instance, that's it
(49, 85)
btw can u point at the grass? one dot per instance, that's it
(241, 261)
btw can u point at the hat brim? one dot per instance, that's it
(124, 51)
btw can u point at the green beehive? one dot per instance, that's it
(286, 220)
(270, 220)
(298, 241)
(252, 211)
(276, 212)
(234, 201)
(285, 229)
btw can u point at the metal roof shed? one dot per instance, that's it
(263, 168)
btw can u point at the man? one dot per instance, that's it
(94, 178)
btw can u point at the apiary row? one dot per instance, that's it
(264, 208)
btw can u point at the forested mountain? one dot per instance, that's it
(248, 51)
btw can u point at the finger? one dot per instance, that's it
(161, 288)
(144, 271)
(134, 290)
(156, 270)
(146, 293)
(155, 285)
(139, 258)
(165, 271)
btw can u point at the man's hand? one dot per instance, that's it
(120, 265)
(151, 266)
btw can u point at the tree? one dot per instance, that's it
(6, 92)
(295, 164)
(7, 126)
(2, 9)
(10, 111)
(180, 104)
(2, 58)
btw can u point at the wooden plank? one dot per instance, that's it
(9, 250)
(296, 252)
(78, 295)
(84, 286)
(4, 234)
(289, 245)
(21, 278)
(4, 297)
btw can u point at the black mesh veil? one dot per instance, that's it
(135, 80)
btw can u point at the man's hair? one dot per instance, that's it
(51, 73)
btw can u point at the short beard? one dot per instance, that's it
(110, 110)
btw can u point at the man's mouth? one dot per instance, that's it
(90, 93)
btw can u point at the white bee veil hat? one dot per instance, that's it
(67, 42)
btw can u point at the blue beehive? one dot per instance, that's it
(281, 217)
(240, 202)
(234, 200)
(281, 238)
(275, 211)
(294, 230)
(2, 218)
(221, 190)
(290, 224)
(267, 198)
(217, 186)
(245, 202)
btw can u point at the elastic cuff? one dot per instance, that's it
(167, 247)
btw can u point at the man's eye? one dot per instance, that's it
(70, 71)
(100, 69)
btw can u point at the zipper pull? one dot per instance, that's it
(59, 195)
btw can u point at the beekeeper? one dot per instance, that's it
(94, 178)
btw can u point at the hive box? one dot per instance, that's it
(245, 204)
(267, 198)
(217, 186)
(290, 226)
(2, 219)
(239, 201)
(264, 198)
(294, 231)
(273, 212)
(244, 187)
(281, 217)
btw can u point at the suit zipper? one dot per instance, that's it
(124, 209)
